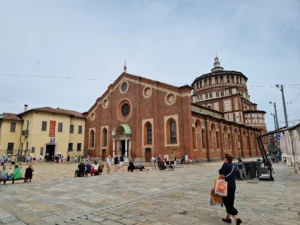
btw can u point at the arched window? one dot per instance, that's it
(221, 80)
(229, 141)
(104, 137)
(216, 80)
(205, 83)
(92, 139)
(171, 131)
(222, 93)
(217, 140)
(232, 79)
(203, 138)
(148, 133)
(201, 83)
(217, 93)
(194, 138)
(209, 81)
(228, 79)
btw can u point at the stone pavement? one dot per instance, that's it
(149, 197)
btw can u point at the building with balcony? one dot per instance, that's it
(50, 131)
(10, 134)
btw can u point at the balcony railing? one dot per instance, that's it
(25, 133)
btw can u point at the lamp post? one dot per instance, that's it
(276, 117)
(284, 107)
(274, 120)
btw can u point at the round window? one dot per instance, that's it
(124, 86)
(125, 110)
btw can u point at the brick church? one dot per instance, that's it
(140, 117)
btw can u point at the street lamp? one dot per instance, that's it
(284, 107)
(274, 120)
(276, 117)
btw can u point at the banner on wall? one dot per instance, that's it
(52, 128)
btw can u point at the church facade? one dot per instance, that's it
(139, 117)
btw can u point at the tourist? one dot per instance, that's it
(100, 168)
(3, 173)
(183, 159)
(75, 159)
(228, 172)
(87, 159)
(88, 168)
(28, 159)
(108, 161)
(41, 157)
(34, 158)
(153, 162)
(172, 158)
(57, 159)
(122, 161)
(186, 159)
(80, 170)
(68, 158)
(191, 160)
(116, 162)
(17, 174)
(2, 160)
(158, 161)
(28, 172)
(167, 161)
(13, 161)
(131, 166)
(95, 167)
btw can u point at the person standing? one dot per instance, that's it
(172, 158)
(167, 159)
(228, 172)
(68, 158)
(122, 161)
(153, 162)
(186, 159)
(2, 161)
(13, 161)
(116, 162)
(108, 163)
(158, 161)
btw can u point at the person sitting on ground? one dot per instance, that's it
(17, 174)
(140, 167)
(3, 173)
(131, 166)
(95, 167)
(80, 170)
(88, 167)
(28, 172)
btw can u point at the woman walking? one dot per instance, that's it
(228, 172)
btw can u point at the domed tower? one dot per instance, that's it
(226, 91)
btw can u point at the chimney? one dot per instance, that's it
(25, 108)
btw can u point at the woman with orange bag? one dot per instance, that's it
(228, 172)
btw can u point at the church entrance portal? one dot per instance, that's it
(121, 140)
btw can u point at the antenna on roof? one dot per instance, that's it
(125, 67)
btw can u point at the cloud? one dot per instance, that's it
(170, 41)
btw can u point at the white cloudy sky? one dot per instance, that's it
(170, 41)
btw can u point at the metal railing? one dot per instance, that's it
(25, 132)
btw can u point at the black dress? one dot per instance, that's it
(229, 199)
(28, 172)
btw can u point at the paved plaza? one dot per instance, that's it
(148, 197)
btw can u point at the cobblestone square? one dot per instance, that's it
(149, 197)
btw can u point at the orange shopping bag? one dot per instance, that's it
(214, 198)
(221, 187)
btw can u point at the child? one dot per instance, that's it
(28, 173)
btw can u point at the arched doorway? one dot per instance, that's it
(121, 136)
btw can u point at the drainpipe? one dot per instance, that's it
(242, 140)
(207, 142)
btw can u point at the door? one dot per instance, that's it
(10, 149)
(123, 142)
(103, 154)
(148, 155)
(50, 151)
